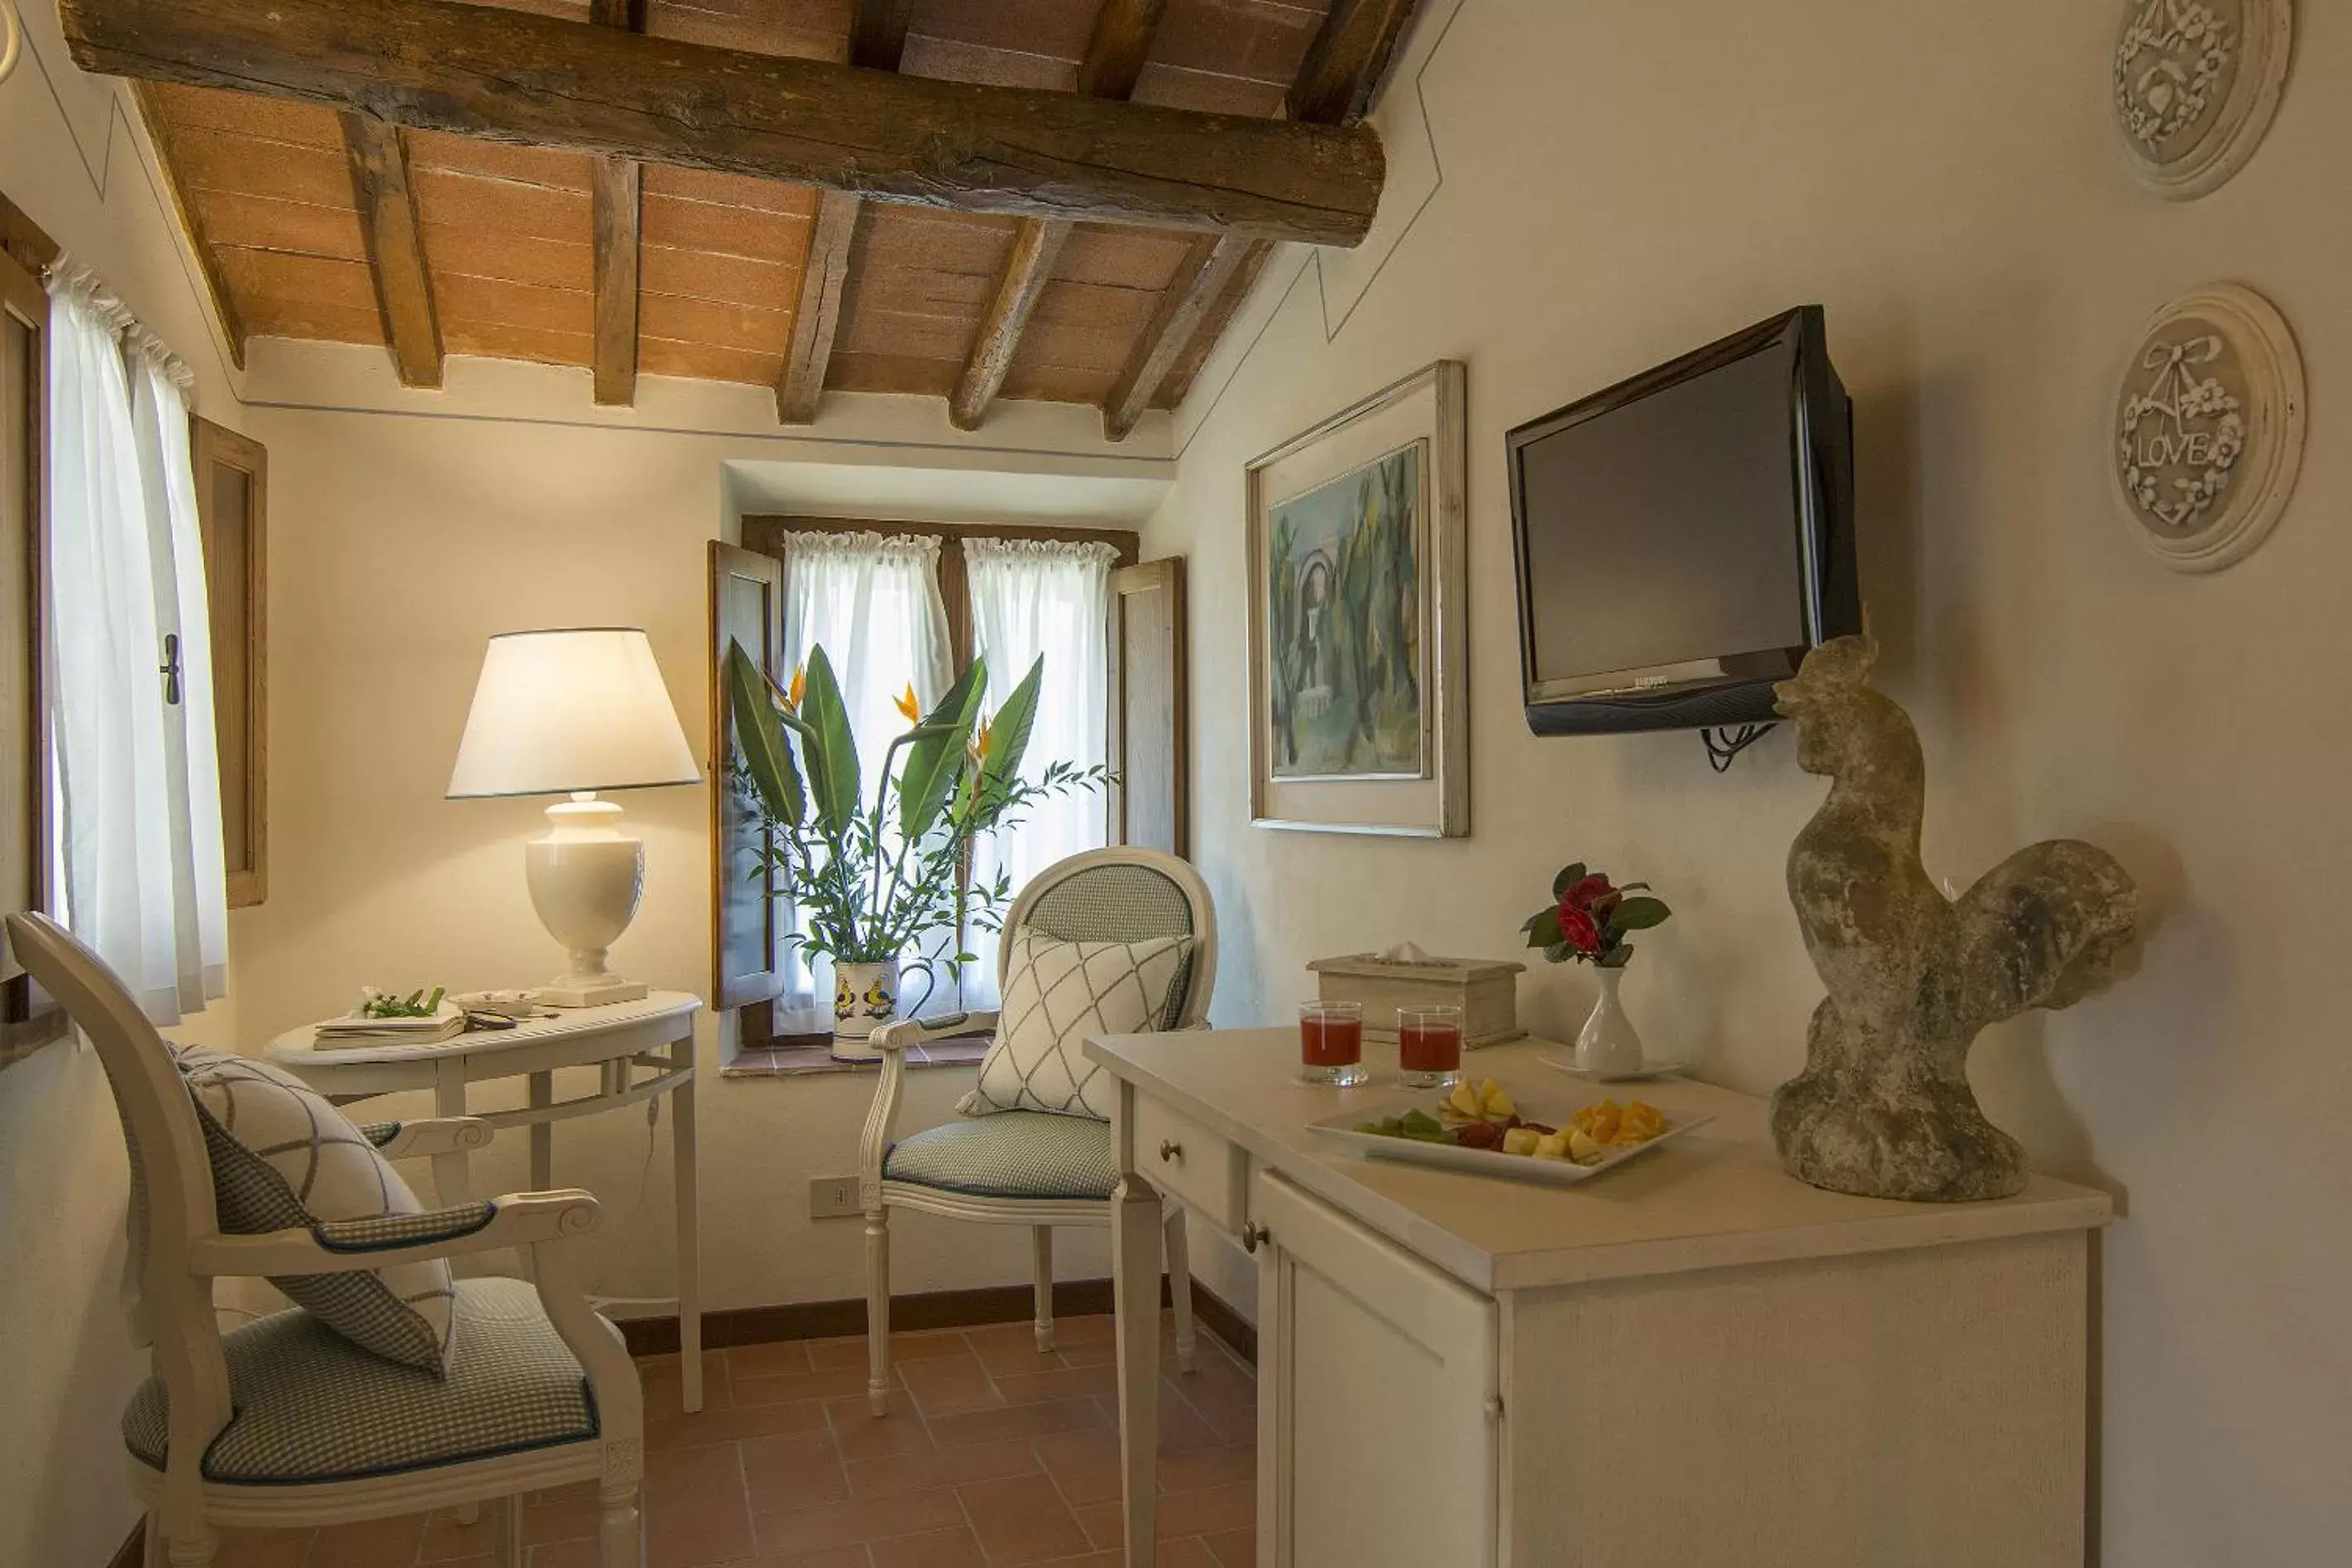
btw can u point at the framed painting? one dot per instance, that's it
(1359, 649)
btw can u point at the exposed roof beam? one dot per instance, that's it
(1115, 57)
(192, 225)
(878, 33)
(515, 76)
(395, 247)
(1335, 83)
(819, 315)
(616, 186)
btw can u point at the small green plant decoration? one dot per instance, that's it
(872, 882)
(1588, 919)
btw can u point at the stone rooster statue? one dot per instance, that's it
(1884, 1108)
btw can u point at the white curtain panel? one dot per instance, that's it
(872, 601)
(135, 886)
(1030, 597)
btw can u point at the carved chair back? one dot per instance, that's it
(1124, 893)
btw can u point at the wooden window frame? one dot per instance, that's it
(213, 445)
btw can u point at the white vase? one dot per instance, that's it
(1608, 1046)
(865, 998)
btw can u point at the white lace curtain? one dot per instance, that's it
(129, 648)
(872, 601)
(1030, 597)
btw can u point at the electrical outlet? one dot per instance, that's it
(830, 1197)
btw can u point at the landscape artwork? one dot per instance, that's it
(1346, 654)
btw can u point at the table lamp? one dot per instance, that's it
(575, 712)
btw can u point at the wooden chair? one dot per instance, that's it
(282, 1423)
(1019, 1167)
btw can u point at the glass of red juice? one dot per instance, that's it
(1428, 1047)
(1332, 1043)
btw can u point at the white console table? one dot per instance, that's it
(1694, 1360)
(655, 1033)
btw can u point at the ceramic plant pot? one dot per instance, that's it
(865, 998)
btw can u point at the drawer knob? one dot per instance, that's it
(1171, 1151)
(1253, 1234)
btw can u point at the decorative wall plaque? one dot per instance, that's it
(2196, 84)
(2209, 428)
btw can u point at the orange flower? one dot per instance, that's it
(980, 739)
(799, 691)
(909, 706)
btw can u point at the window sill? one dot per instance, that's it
(817, 1060)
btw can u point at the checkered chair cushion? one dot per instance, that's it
(1057, 993)
(1116, 903)
(311, 1407)
(1018, 1154)
(283, 1158)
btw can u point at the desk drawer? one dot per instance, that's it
(1189, 1162)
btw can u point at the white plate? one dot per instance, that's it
(1642, 1074)
(1488, 1161)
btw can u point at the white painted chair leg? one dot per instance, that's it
(877, 1310)
(193, 1550)
(510, 1542)
(1040, 1282)
(620, 1529)
(151, 1550)
(1180, 1284)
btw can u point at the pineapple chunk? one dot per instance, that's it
(1554, 1146)
(1521, 1140)
(1500, 1106)
(1583, 1147)
(1464, 1098)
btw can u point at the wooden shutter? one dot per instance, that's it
(747, 605)
(1151, 721)
(232, 474)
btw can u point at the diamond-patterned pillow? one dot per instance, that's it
(283, 1158)
(1056, 994)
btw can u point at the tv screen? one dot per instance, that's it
(1683, 537)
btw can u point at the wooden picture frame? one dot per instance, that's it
(232, 478)
(1321, 757)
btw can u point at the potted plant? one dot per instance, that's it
(872, 883)
(1588, 921)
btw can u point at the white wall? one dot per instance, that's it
(71, 160)
(1624, 182)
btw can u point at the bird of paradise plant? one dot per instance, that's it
(872, 883)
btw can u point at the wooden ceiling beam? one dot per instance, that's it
(878, 33)
(818, 316)
(515, 76)
(395, 247)
(1115, 57)
(616, 186)
(192, 225)
(1335, 84)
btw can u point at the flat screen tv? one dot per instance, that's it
(1684, 537)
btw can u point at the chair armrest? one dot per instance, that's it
(907, 1032)
(439, 1135)
(518, 1220)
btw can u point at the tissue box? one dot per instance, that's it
(1485, 990)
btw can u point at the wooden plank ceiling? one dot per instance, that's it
(316, 225)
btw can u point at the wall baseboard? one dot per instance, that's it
(929, 1310)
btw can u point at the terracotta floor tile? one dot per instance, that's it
(1013, 1348)
(862, 1435)
(1102, 1355)
(781, 1388)
(1100, 1520)
(1060, 1382)
(858, 1521)
(1091, 1560)
(695, 1509)
(1234, 1547)
(828, 1557)
(665, 1390)
(1021, 1520)
(728, 1426)
(950, 1385)
(263, 1547)
(1084, 1465)
(768, 1359)
(564, 1554)
(693, 1471)
(1235, 1426)
(571, 1519)
(944, 1468)
(370, 1543)
(446, 1540)
(957, 1548)
(1018, 1421)
(1206, 1511)
(802, 1471)
(925, 1344)
(1182, 1428)
(1215, 1383)
(1199, 1468)
(1185, 1551)
(1094, 1329)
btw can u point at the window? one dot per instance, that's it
(232, 516)
(900, 603)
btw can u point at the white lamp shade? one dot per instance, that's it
(580, 709)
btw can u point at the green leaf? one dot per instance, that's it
(1617, 957)
(760, 732)
(932, 761)
(1570, 876)
(1638, 914)
(1559, 952)
(832, 748)
(1008, 733)
(1543, 930)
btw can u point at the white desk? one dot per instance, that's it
(656, 1032)
(1694, 1360)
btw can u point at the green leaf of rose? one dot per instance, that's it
(1638, 914)
(1570, 876)
(1543, 928)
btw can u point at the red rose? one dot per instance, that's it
(1576, 929)
(1587, 892)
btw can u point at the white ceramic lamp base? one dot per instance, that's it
(586, 878)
